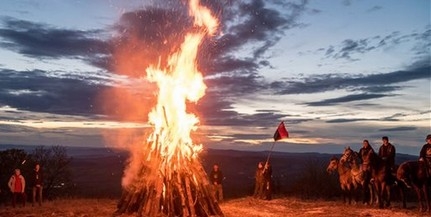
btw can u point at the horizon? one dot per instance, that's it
(127, 149)
(336, 73)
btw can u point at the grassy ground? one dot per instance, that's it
(243, 207)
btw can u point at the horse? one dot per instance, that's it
(413, 173)
(345, 176)
(382, 177)
(359, 176)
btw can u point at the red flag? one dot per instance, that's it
(281, 132)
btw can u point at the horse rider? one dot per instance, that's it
(387, 154)
(365, 154)
(425, 154)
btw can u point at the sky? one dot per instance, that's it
(336, 72)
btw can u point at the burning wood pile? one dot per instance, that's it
(165, 177)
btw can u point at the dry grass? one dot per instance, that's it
(243, 207)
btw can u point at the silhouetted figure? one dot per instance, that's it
(267, 177)
(17, 186)
(259, 185)
(425, 154)
(216, 179)
(364, 153)
(37, 185)
(387, 154)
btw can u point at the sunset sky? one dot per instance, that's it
(336, 72)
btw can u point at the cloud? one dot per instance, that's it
(347, 120)
(373, 83)
(352, 49)
(255, 26)
(41, 41)
(37, 91)
(348, 98)
(375, 8)
(398, 129)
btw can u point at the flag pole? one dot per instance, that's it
(270, 152)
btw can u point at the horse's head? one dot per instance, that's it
(333, 165)
(347, 155)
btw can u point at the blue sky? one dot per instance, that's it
(336, 72)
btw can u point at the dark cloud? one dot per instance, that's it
(375, 83)
(351, 49)
(219, 112)
(39, 41)
(347, 120)
(398, 129)
(348, 98)
(254, 24)
(35, 91)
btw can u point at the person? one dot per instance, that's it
(216, 179)
(365, 154)
(17, 186)
(425, 154)
(387, 153)
(258, 187)
(37, 184)
(267, 178)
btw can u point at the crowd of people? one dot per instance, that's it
(17, 185)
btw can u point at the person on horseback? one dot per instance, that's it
(365, 154)
(425, 154)
(387, 154)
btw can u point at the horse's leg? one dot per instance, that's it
(402, 195)
(381, 191)
(426, 196)
(349, 194)
(372, 193)
(419, 196)
(387, 188)
(343, 190)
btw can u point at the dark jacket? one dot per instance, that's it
(267, 173)
(37, 178)
(387, 153)
(216, 177)
(365, 154)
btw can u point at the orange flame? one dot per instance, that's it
(177, 83)
(181, 81)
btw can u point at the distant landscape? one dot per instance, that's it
(97, 172)
(302, 187)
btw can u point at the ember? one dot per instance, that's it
(167, 178)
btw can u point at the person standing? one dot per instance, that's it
(37, 183)
(216, 179)
(425, 154)
(267, 178)
(258, 187)
(17, 186)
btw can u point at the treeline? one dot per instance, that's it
(55, 166)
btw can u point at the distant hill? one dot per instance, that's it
(97, 172)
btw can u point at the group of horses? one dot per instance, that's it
(377, 182)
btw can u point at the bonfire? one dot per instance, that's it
(167, 178)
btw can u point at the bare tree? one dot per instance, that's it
(55, 168)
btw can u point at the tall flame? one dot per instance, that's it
(178, 83)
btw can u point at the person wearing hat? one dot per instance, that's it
(425, 154)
